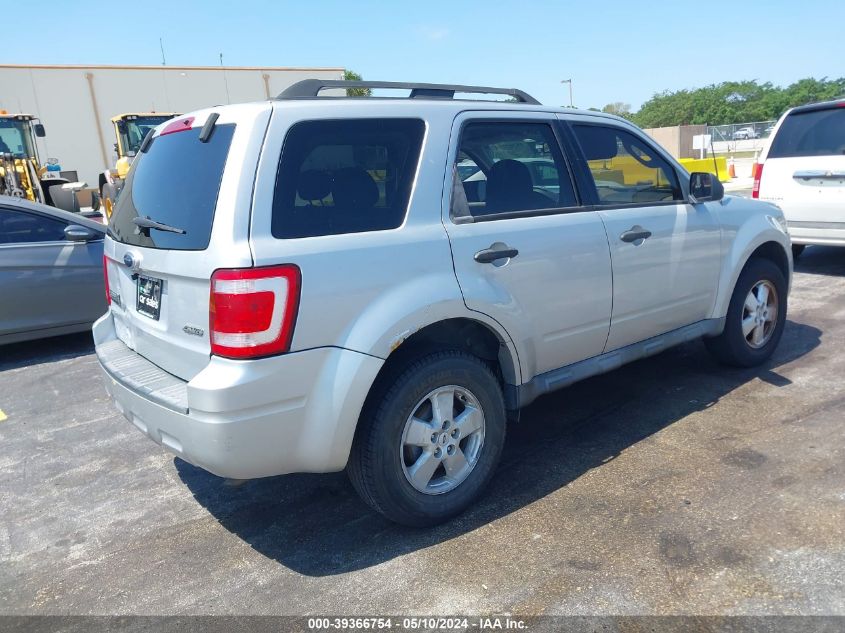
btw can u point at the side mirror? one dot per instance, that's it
(77, 233)
(39, 130)
(705, 187)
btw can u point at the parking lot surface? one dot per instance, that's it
(673, 485)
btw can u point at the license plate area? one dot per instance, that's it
(148, 300)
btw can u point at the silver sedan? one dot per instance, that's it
(51, 271)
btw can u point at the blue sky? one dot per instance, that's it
(613, 50)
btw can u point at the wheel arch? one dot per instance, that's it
(469, 333)
(774, 252)
(428, 308)
(753, 240)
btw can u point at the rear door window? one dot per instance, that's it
(175, 182)
(348, 176)
(625, 168)
(811, 133)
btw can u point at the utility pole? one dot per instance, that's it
(569, 81)
(225, 80)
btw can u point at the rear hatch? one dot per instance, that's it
(183, 213)
(804, 168)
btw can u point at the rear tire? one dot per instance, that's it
(756, 316)
(797, 249)
(429, 441)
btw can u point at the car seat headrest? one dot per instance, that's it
(353, 187)
(313, 184)
(597, 143)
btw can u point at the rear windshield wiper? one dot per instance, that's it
(148, 223)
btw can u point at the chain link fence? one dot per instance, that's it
(741, 131)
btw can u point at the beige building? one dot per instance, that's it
(677, 139)
(76, 103)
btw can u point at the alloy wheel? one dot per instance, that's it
(442, 439)
(760, 314)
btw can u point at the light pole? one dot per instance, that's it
(569, 81)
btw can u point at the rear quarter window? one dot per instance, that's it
(349, 176)
(175, 182)
(812, 133)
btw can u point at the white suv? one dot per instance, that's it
(802, 170)
(745, 133)
(311, 283)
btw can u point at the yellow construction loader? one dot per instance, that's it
(130, 130)
(22, 173)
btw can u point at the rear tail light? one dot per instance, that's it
(106, 278)
(252, 311)
(758, 173)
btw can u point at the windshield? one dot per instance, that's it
(136, 128)
(16, 138)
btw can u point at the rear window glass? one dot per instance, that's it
(176, 183)
(347, 176)
(814, 133)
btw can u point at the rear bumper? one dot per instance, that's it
(244, 419)
(830, 233)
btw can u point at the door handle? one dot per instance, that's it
(495, 252)
(635, 233)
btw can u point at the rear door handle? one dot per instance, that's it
(495, 252)
(635, 233)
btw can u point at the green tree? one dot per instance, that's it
(618, 108)
(733, 102)
(351, 75)
(810, 90)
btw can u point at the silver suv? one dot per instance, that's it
(312, 283)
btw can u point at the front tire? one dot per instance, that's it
(756, 316)
(429, 442)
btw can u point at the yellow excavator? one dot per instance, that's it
(130, 130)
(22, 173)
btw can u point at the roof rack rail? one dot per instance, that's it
(310, 88)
